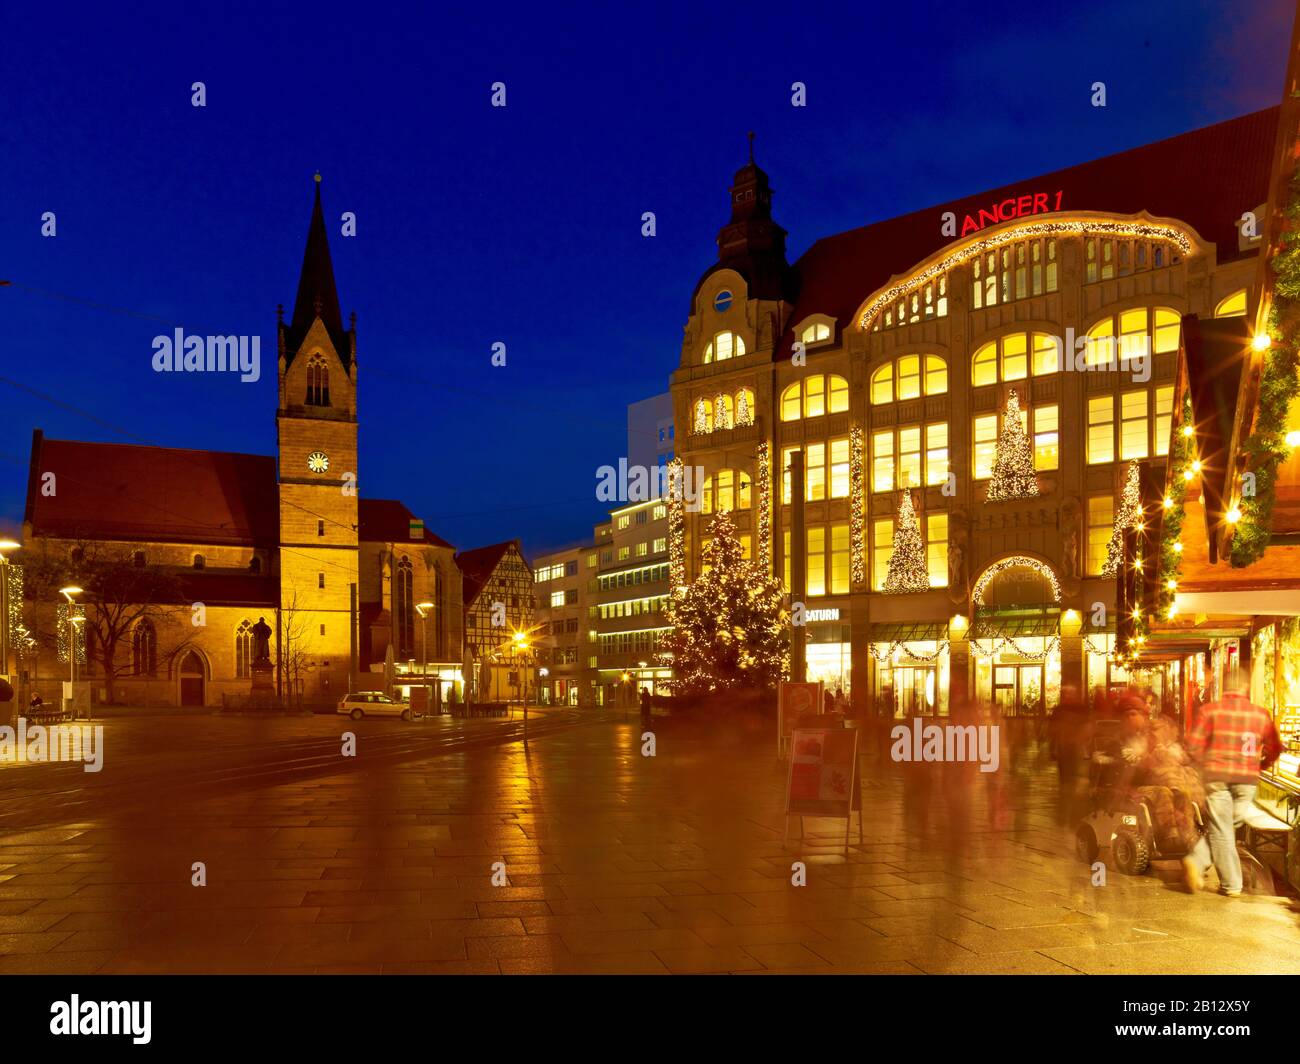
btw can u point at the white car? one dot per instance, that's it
(373, 704)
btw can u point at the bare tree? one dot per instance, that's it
(294, 646)
(118, 596)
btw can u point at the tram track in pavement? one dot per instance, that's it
(249, 765)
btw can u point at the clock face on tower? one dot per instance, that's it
(318, 461)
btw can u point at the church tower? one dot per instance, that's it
(316, 428)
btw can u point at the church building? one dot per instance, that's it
(181, 552)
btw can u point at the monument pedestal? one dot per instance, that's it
(262, 694)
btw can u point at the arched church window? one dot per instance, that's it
(404, 609)
(144, 649)
(318, 382)
(200, 561)
(244, 649)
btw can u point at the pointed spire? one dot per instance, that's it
(317, 295)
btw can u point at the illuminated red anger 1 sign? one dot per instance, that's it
(1011, 208)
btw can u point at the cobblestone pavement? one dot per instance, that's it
(616, 862)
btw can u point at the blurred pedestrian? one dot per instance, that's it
(645, 709)
(1233, 740)
(1070, 733)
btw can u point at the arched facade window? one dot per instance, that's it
(244, 649)
(909, 377)
(1133, 334)
(404, 608)
(723, 346)
(254, 564)
(816, 333)
(703, 416)
(727, 489)
(200, 562)
(1232, 306)
(1014, 356)
(144, 649)
(815, 396)
(318, 382)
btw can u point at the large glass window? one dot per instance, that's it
(986, 445)
(1101, 521)
(816, 561)
(1047, 442)
(1016, 271)
(909, 377)
(1164, 400)
(909, 456)
(1233, 306)
(1008, 358)
(1133, 425)
(814, 396)
(1101, 429)
(934, 534)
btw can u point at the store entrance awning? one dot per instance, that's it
(914, 631)
(1015, 625)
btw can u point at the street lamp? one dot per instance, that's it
(71, 593)
(521, 645)
(423, 608)
(6, 545)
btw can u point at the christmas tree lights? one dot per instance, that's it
(857, 502)
(1130, 508)
(907, 569)
(1013, 467)
(730, 629)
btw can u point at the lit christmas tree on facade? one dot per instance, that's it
(907, 568)
(1130, 506)
(1013, 468)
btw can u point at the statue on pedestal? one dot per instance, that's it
(261, 642)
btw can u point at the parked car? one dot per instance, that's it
(373, 704)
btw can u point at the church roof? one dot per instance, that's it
(317, 293)
(389, 521)
(151, 494)
(477, 566)
(1207, 178)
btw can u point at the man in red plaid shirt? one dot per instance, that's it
(1233, 741)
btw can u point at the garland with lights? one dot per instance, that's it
(857, 504)
(730, 629)
(1181, 456)
(1266, 446)
(765, 507)
(676, 528)
(1002, 642)
(907, 570)
(1142, 230)
(1013, 466)
(1015, 561)
(1130, 509)
(896, 646)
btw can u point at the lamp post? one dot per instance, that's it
(521, 646)
(71, 593)
(423, 608)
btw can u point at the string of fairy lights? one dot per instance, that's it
(857, 510)
(1061, 227)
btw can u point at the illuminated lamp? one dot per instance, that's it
(1260, 341)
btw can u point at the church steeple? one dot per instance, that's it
(318, 296)
(752, 243)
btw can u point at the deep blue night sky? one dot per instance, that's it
(521, 224)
